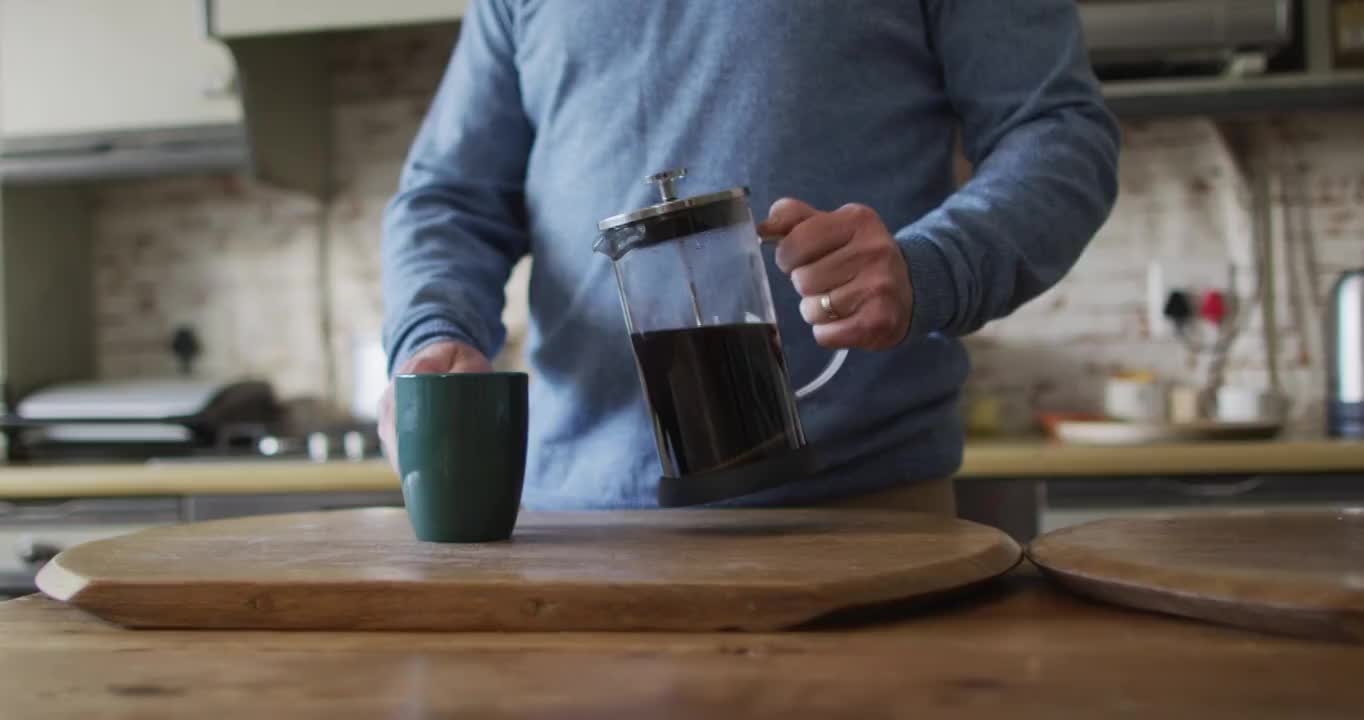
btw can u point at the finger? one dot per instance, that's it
(388, 442)
(845, 301)
(434, 358)
(873, 327)
(839, 334)
(824, 233)
(784, 215)
(811, 240)
(445, 357)
(470, 362)
(836, 269)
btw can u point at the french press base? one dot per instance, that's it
(715, 486)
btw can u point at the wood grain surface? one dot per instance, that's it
(682, 570)
(1300, 573)
(1018, 650)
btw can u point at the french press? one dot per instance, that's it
(699, 310)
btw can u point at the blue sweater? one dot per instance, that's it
(552, 112)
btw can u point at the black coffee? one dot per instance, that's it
(719, 395)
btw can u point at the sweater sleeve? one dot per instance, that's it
(1045, 152)
(457, 225)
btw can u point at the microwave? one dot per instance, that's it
(1146, 39)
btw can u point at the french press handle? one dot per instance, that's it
(829, 371)
(823, 378)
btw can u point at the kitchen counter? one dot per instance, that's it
(249, 477)
(1020, 459)
(1019, 648)
(1041, 460)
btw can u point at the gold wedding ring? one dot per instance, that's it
(826, 303)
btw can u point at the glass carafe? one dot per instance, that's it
(699, 311)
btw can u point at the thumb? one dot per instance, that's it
(434, 358)
(784, 216)
(469, 360)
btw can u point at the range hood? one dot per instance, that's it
(91, 89)
(280, 51)
(129, 154)
(237, 19)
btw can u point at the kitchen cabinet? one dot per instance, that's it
(46, 301)
(281, 51)
(1348, 31)
(87, 68)
(33, 532)
(1031, 488)
(239, 18)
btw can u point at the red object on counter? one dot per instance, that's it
(1214, 307)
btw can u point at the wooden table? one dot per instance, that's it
(1018, 650)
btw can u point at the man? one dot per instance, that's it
(551, 113)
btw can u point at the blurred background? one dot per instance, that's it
(195, 188)
(219, 170)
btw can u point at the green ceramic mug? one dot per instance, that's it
(461, 453)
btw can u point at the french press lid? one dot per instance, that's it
(672, 218)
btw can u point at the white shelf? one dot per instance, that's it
(1289, 92)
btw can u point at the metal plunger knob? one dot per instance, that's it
(664, 180)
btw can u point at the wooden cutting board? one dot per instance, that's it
(642, 570)
(1299, 573)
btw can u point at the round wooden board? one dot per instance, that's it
(642, 570)
(1298, 573)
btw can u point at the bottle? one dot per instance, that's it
(1345, 332)
(1347, 32)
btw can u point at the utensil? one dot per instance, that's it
(694, 289)
(462, 453)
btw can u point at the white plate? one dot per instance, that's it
(1116, 432)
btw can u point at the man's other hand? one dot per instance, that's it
(436, 358)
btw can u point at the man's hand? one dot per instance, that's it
(849, 271)
(437, 358)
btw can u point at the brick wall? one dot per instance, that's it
(1188, 200)
(238, 262)
(245, 264)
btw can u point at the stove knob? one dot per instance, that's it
(353, 444)
(270, 446)
(319, 447)
(35, 553)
